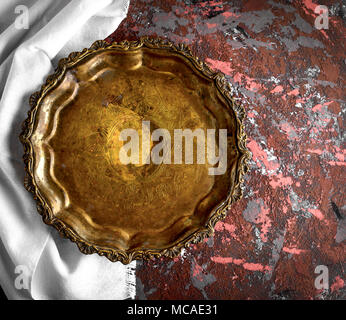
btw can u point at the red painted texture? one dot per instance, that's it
(290, 78)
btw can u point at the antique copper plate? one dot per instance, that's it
(71, 143)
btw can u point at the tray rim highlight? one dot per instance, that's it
(66, 231)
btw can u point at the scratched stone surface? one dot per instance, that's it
(290, 77)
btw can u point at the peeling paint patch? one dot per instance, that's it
(257, 212)
(337, 284)
(262, 156)
(280, 181)
(225, 67)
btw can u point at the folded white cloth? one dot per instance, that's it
(35, 263)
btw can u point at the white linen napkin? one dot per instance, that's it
(35, 263)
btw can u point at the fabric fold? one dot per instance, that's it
(54, 267)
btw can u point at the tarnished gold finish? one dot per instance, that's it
(71, 149)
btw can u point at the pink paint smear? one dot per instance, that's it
(293, 250)
(240, 262)
(259, 155)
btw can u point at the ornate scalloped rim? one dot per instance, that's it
(66, 231)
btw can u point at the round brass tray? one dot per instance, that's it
(72, 149)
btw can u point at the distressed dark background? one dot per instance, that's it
(290, 77)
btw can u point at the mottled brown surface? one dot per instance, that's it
(290, 77)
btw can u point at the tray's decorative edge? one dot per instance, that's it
(66, 231)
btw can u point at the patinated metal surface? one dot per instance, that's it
(72, 149)
(290, 78)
